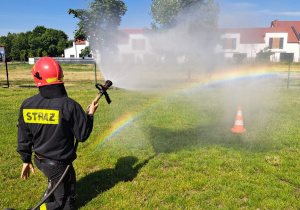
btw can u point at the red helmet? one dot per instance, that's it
(47, 71)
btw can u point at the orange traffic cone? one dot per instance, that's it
(238, 125)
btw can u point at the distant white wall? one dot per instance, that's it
(137, 53)
(31, 61)
(125, 50)
(253, 48)
(287, 47)
(75, 50)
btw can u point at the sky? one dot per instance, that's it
(21, 16)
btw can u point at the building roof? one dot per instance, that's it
(251, 35)
(256, 35)
(293, 28)
(80, 42)
(288, 24)
(132, 31)
(123, 35)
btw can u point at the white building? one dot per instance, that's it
(132, 44)
(282, 38)
(75, 50)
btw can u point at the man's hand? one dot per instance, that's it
(93, 107)
(26, 170)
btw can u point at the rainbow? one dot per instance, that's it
(223, 78)
(128, 119)
(117, 127)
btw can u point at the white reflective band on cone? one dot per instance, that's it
(239, 122)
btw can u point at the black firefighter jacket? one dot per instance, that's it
(48, 123)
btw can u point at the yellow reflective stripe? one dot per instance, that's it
(51, 80)
(34, 67)
(41, 116)
(43, 207)
(54, 80)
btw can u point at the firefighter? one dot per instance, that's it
(47, 126)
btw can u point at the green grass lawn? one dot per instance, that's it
(170, 150)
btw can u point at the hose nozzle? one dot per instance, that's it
(107, 84)
(102, 90)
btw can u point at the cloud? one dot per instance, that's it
(285, 13)
(243, 5)
(294, 14)
(237, 6)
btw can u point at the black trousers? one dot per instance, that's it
(64, 196)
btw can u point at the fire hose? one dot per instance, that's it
(102, 91)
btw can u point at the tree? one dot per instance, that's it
(44, 54)
(23, 55)
(263, 56)
(165, 12)
(168, 14)
(30, 53)
(14, 51)
(185, 28)
(99, 23)
(85, 51)
(35, 43)
(62, 45)
(53, 42)
(41, 41)
(191, 24)
(39, 31)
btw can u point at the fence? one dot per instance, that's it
(71, 60)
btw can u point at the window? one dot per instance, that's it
(276, 43)
(229, 44)
(138, 44)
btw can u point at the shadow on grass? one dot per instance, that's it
(27, 86)
(100, 181)
(166, 140)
